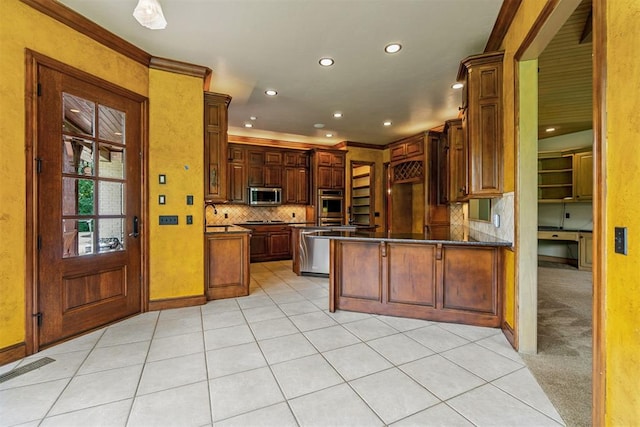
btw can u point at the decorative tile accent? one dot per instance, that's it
(238, 214)
(505, 207)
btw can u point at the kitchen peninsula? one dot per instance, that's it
(458, 280)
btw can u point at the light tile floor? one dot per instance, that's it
(278, 358)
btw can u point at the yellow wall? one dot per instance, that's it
(622, 286)
(176, 150)
(23, 27)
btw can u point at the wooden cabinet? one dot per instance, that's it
(264, 168)
(257, 166)
(565, 176)
(296, 185)
(406, 148)
(457, 163)
(585, 251)
(555, 177)
(482, 122)
(215, 146)
(328, 169)
(270, 242)
(445, 283)
(237, 174)
(227, 265)
(583, 175)
(436, 219)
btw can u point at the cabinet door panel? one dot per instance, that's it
(412, 271)
(280, 244)
(398, 152)
(357, 279)
(237, 183)
(324, 177)
(474, 287)
(272, 176)
(259, 245)
(337, 178)
(584, 175)
(256, 176)
(302, 193)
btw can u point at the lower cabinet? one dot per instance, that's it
(447, 283)
(270, 242)
(227, 265)
(585, 251)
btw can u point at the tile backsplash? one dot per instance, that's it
(237, 214)
(503, 206)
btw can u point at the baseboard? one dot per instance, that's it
(12, 353)
(164, 304)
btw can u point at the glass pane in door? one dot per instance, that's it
(78, 115)
(111, 124)
(77, 196)
(111, 234)
(77, 156)
(112, 161)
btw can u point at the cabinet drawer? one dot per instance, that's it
(558, 235)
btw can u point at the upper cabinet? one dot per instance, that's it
(328, 169)
(482, 123)
(407, 159)
(259, 166)
(457, 162)
(565, 176)
(583, 167)
(215, 146)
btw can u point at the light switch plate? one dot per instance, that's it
(620, 243)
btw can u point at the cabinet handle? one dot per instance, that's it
(554, 235)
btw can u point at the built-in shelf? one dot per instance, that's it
(361, 194)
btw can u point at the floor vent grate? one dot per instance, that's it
(26, 368)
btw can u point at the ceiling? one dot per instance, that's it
(254, 45)
(565, 71)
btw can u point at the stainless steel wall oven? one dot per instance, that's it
(330, 207)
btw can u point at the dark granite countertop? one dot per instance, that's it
(462, 239)
(230, 228)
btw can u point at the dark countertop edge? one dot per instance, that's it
(225, 229)
(335, 236)
(570, 230)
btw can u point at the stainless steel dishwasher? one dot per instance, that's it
(314, 253)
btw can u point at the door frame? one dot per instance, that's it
(552, 16)
(32, 61)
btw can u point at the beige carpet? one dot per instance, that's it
(563, 363)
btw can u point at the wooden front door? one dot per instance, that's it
(88, 204)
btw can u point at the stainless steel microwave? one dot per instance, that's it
(264, 196)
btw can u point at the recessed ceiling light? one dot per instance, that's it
(393, 48)
(74, 110)
(387, 123)
(457, 86)
(337, 114)
(550, 129)
(318, 125)
(329, 135)
(118, 133)
(253, 118)
(248, 125)
(270, 92)
(326, 62)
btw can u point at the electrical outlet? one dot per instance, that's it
(168, 219)
(226, 215)
(189, 219)
(567, 215)
(189, 200)
(620, 243)
(293, 214)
